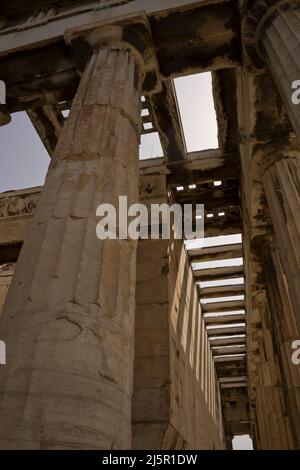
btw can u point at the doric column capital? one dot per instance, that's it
(256, 22)
(131, 33)
(265, 156)
(278, 155)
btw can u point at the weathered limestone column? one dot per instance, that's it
(272, 40)
(281, 178)
(68, 321)
(272, 31)
(283, 331)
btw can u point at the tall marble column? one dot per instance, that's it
(283, 331)
(68, 321)
(281, 178)
(272, 36)
(272, 39)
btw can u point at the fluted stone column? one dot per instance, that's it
(272, 39)
(283, 331)
(282, 186)
(68, 321)
(272, 35)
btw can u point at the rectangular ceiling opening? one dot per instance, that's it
(218, 264)
(224, 314)
(224, 338)
(150, 146)
(228, 298)
(239, 281)
(225, 326)
(197, 111)
(243, 442)
(213, 242)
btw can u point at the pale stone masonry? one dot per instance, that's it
(281, 182)
(272, 36)
(151, 344)
(78, 340)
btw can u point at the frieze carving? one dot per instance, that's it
(7, 269)
(12, 206)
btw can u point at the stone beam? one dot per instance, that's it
(182, 47)
(225, 99)
(203, 46)
(197, 171)
(39, 77)
(185, 44)
(197, 167)
(48, 122)
(39, 12)
(168, 122)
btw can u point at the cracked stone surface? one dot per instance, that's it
(68, 321)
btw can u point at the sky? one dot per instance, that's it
(195, 100)
(242, 443)
(24, 160)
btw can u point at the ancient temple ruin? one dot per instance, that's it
(155, 344)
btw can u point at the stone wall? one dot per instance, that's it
(195, 397)
(276, 384)
(176, 400)
(274, 379)
(151, 397)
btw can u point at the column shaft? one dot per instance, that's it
(282, 187)
(279, 324)
(68, 321)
